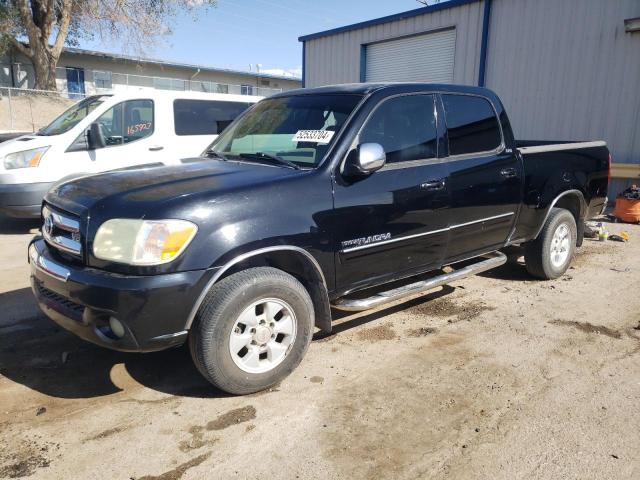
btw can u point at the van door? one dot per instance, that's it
(484, 177)
(131, 138)
(196, 123)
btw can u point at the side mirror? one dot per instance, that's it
(368, 158)
(96, 137)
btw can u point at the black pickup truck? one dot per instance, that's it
(343, 196)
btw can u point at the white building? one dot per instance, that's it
(86, 72)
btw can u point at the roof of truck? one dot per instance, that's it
(367, 88)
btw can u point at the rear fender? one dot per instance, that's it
(572, 200)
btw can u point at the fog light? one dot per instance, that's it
(116, 327)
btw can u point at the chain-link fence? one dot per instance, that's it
(26, 110)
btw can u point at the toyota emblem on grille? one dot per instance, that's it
(48, 225)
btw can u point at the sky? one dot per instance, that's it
(239, 33)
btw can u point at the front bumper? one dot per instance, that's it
(23, 200)
(153, 310)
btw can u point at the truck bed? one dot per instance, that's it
(553, 166)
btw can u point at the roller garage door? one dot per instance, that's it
(419, 58)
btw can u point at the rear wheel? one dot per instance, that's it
(549, 256)
(252, 330)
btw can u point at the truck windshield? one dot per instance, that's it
(298, 129)
(71, 117)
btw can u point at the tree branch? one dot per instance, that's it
(65, 19)
(49, 18)
(27, 20)
(20, 47)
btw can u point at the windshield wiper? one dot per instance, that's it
(272, 158)
(213, 154)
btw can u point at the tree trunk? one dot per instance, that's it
(44, 67)
(38, 20)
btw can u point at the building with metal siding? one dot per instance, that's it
(564, 69)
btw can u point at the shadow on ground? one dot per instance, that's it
(35, 352)
(43, 357)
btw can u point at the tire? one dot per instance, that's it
(543, 262)
(262, 305)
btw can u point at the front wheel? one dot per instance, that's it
(549, 256)
(252, 330)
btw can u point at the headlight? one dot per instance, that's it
(27, 158)
(142, 242)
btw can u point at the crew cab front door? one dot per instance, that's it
(393, 222)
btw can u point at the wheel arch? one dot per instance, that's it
(574, 202)
(293, 260)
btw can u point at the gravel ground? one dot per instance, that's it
(497, 376)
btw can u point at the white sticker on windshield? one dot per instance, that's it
(316, 136)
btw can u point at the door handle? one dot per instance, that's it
(433, 185)
(155, 148)
(509, 172)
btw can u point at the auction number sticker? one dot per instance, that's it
(316, 136)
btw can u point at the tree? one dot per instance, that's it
(39, 29)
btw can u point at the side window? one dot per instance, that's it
(204, 117)
(472, 125)
(405, 127)
(111, 122)
(138, 120)
(127, 122)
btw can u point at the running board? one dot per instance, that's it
(488, 261)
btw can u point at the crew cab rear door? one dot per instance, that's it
(393, 222)
(484, 177)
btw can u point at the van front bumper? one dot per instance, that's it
(22, 200)
(152, 310)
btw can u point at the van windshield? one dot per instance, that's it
(71, 117)
(298, 129)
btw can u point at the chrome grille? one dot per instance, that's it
(61, 231)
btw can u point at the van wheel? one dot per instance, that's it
(252, 330)
(549, 256)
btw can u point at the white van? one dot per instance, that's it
(109, 132)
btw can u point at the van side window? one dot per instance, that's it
(138, 120)
(204, 117)
(127, 121)
(405, 127)
(472, 125)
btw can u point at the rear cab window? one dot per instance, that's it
(472, 125)
(204, 117)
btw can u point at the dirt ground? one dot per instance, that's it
(494, 377)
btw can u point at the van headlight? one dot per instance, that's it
(142, 242)
(24, 159)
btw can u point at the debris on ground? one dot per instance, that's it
(623, 237)
(41, 410)
(627, 206)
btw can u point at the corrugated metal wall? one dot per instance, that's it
(336, 58)
(567, 70)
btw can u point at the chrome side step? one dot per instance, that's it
(487, 262)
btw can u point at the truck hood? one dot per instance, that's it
(137, 192)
